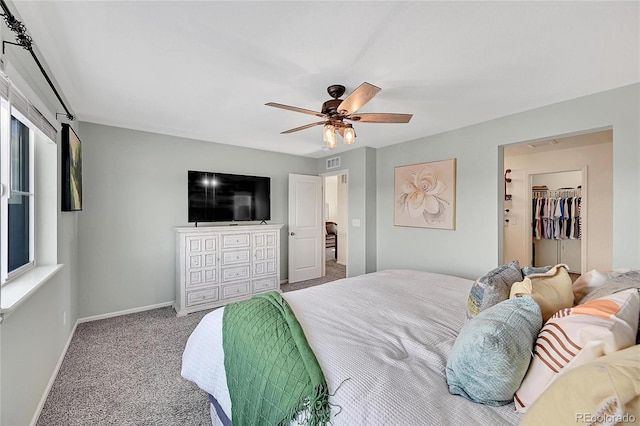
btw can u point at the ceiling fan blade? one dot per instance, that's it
(296, 109)
(307, 126)
(356, 99)
(380, 118)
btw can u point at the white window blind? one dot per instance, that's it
(26, 108)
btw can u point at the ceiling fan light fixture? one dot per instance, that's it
(329, 136)
(349, 135)
(335, 110)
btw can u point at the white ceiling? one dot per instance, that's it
(205, 69)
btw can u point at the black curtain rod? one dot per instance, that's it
(24, 40)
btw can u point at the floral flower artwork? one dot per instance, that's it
(425, 195)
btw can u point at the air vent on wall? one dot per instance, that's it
(333, 163)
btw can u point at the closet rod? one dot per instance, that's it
(554, 193)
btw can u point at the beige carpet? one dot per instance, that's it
(126, 371)
(334, 271)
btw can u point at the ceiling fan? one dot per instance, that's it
(335, 111)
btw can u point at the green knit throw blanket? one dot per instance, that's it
(272, 374)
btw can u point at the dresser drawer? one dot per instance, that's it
(201, 297)
(265, 239)
(202, 276)
(235, 240)
(265, 284)
(235, 290)
(201, 260)
(265, 253)
(235, 273)
(201, 244)
(234, 257)
(264, 268)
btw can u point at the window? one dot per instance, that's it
(20, 199)
(22, 228)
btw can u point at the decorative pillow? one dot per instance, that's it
(575, 336)
(552, 290)
(614, 283)
(528, 270)
(604, 284)
(606, 388)
(492, 288)
(491, 354)
(588, 282)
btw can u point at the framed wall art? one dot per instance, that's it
(71, 170)
(425, 195)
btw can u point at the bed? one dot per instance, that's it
(382, 341)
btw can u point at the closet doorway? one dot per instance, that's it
(582, 160)
(335, 216)
(556, 218)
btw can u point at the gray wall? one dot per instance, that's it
(371, 209)
(135, 193)
(473, 248)
(33, 337)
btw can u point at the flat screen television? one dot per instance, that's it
(222, 197)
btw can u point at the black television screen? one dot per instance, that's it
(221, 197)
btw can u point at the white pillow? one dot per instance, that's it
(588, 282)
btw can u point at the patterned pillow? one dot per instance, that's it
(492, 288)
(599, 284)
(575, 336)
(606, 387)
(491, 354)
(552, 290)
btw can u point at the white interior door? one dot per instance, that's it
(306, 228)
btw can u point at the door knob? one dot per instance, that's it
(292, 234)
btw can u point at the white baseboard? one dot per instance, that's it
(125, 312)
(45, 395)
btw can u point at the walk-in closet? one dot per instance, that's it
(556, 207)
(558, 203)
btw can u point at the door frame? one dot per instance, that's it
(346, 209)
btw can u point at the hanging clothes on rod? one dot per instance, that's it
(556, 214)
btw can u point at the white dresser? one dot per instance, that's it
(216, 265)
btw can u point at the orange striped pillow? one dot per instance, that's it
(576, 336)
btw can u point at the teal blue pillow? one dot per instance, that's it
(491, 355)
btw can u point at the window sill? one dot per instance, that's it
(20, 288)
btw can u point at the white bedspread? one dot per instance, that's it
(382, 341)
